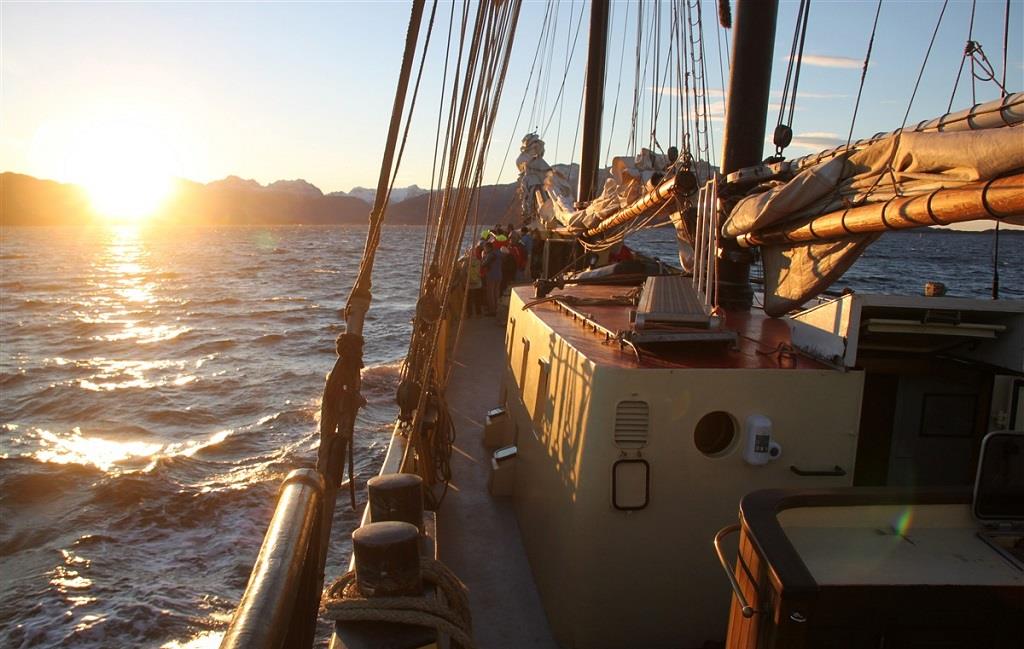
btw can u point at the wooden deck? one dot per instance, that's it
(478, 535)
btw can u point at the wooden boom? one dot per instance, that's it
(992, 199)
(653, 198)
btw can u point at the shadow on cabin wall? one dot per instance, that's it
(922, 421)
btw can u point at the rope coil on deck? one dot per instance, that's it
(446, 609)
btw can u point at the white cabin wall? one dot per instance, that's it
(671, 592)
(650, 578)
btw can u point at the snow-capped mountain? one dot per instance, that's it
(398, 194)
(298, 186)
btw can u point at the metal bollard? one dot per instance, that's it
(387, 559)
(396, 497)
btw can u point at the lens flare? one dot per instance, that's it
(902, 523)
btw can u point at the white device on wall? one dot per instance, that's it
(760, 448)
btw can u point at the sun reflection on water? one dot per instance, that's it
(104, 454)
(110, 455)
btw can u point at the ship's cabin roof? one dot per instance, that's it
(601, 322)
(587, 317)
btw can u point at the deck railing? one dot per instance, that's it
(276, 610)
(705, 244)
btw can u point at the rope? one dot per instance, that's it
(446, 609)
(924, 63)
(636, 75)
(1006, 43)
(888, 170)
(995, 234)
(561, 87)
(476, 89)
(974, 51)
(783, 127)
(526, 91)
(864, 72)
(361, 287)
(618, 86)
(437, 144)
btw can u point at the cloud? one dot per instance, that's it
(823, 61)
(817, 140)
(803, 94)
(676, 91)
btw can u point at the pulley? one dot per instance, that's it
(408, 397)
(782, 138)
(686, 182)
(428, 308)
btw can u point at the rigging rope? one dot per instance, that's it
(784, 126)
(995, 234)
(618, 86)
(864, 72)
(565, 74)
(888, 165)
(437, 142)
(513, 136)
(1006, 42)
(924, 63)
(636, 76)
(721, 67)
(974, 51)
(685, 65)
(341, 399)
(476, 88)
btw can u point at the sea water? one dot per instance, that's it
(157, 385)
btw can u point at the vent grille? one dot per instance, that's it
(632, 422)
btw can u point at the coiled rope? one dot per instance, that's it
(446, 609)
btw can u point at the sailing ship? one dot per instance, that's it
(581, 486)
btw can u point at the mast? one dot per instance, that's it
(593, 101)
(746, 116)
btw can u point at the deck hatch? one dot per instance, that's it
(632, 424)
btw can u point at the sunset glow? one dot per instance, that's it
(126, 166)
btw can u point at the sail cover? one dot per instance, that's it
(911, 163)
(903, 164)
(549, 190)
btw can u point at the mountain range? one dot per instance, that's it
(25, 200)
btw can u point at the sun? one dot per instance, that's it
(125, 165)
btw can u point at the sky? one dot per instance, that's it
(304, 90)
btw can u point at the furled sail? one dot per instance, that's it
(900, 165)
(548, 193)
(881, 170)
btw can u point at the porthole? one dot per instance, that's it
(715, 433)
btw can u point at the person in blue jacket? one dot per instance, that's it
(491, 265)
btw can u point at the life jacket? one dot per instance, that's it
(622, 254)
(518, 251)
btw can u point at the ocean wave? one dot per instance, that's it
(76, 454)
(381, 379)
(30, 481)
(213, 346)
(270, 339)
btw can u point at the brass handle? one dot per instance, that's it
(835, 472)
(745, 607)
